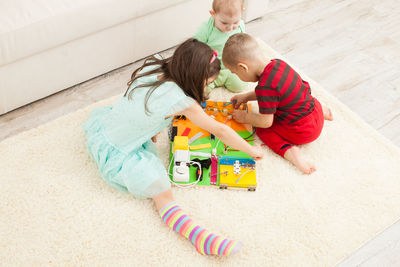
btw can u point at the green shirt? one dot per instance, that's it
(209, 34)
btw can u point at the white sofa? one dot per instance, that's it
(49, 45)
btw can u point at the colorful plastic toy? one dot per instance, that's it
(216, 164)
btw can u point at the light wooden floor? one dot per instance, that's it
(351, 48)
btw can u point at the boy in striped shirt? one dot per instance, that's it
(288, 114)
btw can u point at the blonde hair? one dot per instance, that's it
(229, 6)
(240, 47)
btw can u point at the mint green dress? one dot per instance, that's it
(119, 137)
(209, 34)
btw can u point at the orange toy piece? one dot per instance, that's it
(225, 109)
(218, 111)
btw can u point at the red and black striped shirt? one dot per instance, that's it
(282, 92)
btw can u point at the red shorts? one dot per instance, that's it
(280, 137)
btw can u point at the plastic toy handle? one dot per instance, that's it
(201, 154)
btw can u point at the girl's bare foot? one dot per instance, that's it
(293, 155)
(327, 113)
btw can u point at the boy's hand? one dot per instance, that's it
(238, 100)
(239, 116)
(257, 153)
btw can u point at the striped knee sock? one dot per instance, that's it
(205, 242)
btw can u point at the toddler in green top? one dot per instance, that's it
(224, 22)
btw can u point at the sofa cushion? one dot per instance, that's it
(29, 27)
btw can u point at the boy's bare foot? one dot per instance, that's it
(293, 155)
(327, 113)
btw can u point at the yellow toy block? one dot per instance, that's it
(202, 146)
(246, 178)
(180, 143)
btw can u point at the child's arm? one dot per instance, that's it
(226, 134)
(242, 26)
(243, 98)
(202, 33)
(257, 120)
(251, 96)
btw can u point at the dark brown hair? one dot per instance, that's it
(189, 67)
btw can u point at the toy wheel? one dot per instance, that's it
(251, 188)
(223, 186)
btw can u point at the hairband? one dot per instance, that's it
(215, 54)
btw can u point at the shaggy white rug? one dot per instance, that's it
(56, 210)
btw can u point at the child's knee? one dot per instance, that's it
(234, 84)
(274, 141)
